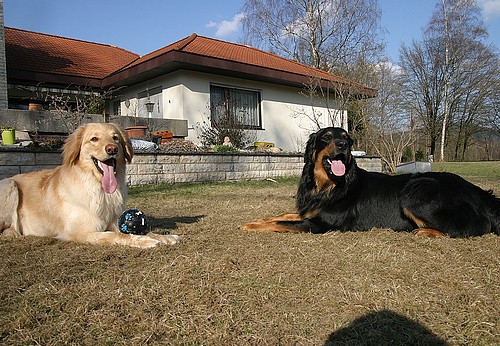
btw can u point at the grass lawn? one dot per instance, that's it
(485, 174)
(223, 286)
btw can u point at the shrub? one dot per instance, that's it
(224, 148)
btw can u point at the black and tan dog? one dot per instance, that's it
(335, 194)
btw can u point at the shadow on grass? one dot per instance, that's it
(384, 327)
(170, 223)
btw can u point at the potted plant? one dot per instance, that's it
(8, 135)
(35, 104)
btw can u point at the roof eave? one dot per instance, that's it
(176, 60)
(52, 78)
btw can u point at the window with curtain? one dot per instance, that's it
(235, 108)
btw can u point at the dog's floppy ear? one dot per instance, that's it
(349, 140)
(71, 148)
(126, 143)
(310, 154)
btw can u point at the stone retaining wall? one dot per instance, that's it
(159, 167)
(179, 168)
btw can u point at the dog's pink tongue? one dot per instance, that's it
(109, 183)
(338, 168)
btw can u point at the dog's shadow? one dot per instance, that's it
(163, 225)
(384, 327)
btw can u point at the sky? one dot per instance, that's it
(144, 26)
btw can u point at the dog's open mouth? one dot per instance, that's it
(108, 170)
(336, 165)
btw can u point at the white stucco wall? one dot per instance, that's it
(186, 95)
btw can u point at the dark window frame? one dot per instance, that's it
(230, 100)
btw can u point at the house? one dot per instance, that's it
(39, 63)
(198, 79)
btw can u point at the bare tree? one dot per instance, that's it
(325, 34)
(423, 85)
(388, 129)
(492, 121)
(333, 98)
(450, 74)
(74, 103)
(473, 92)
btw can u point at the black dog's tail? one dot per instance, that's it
(493, 206)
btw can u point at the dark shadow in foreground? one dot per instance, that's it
(384, 327)
(170, 223)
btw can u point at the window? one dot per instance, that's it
(235, 108)
(117, 107)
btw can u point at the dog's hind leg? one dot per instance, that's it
(445, 203)
(423, 229)
(283, 223)
(9, 223)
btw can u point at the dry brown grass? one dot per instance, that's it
(222, 286)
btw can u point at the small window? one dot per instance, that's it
(235, 108)
(117, 107)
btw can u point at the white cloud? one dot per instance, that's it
(389, 66)
(490, 8)
(227, 27)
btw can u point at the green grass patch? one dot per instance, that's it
(194, 189)
(485, 173)
(483, 168)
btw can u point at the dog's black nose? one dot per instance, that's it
(342, 144)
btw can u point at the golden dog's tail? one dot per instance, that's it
(9, 219)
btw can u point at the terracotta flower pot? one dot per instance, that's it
(136, 131)
(35, 105)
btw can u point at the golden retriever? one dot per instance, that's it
(80, 200)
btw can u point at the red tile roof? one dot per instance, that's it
(31, 51)
(231, 52)
(110, 65)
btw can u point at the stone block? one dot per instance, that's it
(131, 169)
(170, 168)
(224, 167)
(201, 167)
(166, 178)
(48, 159)
(373, 164)
(190, 159)
(149, 169)
(210, 176)
(230, 158)
(246, 159)
(8, 171)
(144, 158)
(185, 178)
(13, 158)
(168, 159)
(235, 175)
(143, 179)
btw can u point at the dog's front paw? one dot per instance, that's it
(144, 242)
(169, 239)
